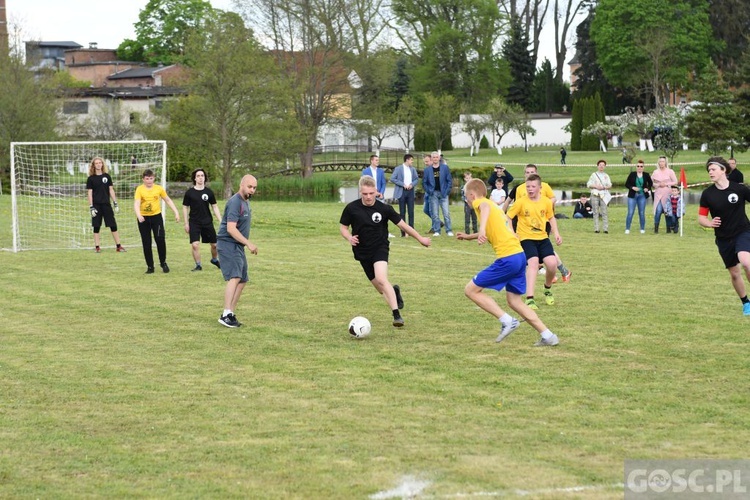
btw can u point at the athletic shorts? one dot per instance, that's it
(507, 272)
(730, 247)
(233, 261)
(106, 213)
(202, 232)
(368, 262)
(537, 248)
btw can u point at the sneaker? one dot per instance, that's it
(532, 304)
(435, 234)
(542, 271)
(149, 270)
(746, 308)
(398, 321)
(239, 323)
(643, 231)
(399, 299)
(450, 233)
(627, 231)
(566, 277)
(606, 232)
(121, 249)
(551, 342)
(165, 267)
(229, 321)
(508, 329)
(196, 268)
(549, 298)
(216, 263)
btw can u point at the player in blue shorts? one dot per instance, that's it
(508, 271)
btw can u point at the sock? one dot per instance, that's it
(198, 263)
(563, 270)
(506, 318)
(529, 297)
(396, 313)
(547, 334)
(214, 259)
(227, 312)
(744, 299)
(548, 287)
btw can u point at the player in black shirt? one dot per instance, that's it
(100, 189)
(725, 202)
(200, 224)
(369, 240)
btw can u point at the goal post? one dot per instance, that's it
(49, 202)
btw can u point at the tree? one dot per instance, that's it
(524, 129)
(565, 13)
(730, 20)
(163, 29)
(714, 120)
(108, 121)
(668, 126)
(503, 117)
(439, 114)
(547, 94)
(576, 125)
(530, 17)
(240, 111)
(516, 51)
(407, 114)
(673, 40)
(475, 125)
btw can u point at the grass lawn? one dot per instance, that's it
(118, 384)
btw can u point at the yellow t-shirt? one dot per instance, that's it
(532, 217)
(150, 198)
(546, 191)
(499, 230)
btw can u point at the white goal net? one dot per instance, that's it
(48, 189)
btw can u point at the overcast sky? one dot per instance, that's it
(109, 22)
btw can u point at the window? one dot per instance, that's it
(76, 108)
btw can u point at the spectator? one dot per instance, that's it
(405, 178)
(639, 186)
(676, 210)
(663, 178)
(563, 154)
(582, 209)
(437, 185)
(500, 171)
(599, 182)
(470, 216)
(498, 194)
(734, 174)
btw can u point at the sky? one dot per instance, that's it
(109, 22)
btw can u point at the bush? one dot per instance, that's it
(484, 143)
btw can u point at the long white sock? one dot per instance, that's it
(506, 319)
(547, 334)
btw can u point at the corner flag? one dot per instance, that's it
(683, 178)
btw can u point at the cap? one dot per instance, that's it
(498, 165)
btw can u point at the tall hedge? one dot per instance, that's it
(576, 122)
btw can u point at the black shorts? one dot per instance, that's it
(106, 213)
(202, 232)
(730, 247)
(368, 261)
(537, 248)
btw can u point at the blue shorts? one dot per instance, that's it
(233, 261)
(538, 248)
(729, 248)
(507, 272)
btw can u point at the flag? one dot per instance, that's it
(683, 178)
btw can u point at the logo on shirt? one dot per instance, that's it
(733, 198)
(376, 217)
(204, 197)
(104, 180)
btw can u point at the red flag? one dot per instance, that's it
(683, 178)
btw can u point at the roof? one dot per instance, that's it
(126, 92)
(68, 45)
(146, 72)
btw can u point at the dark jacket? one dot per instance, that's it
(647, 184)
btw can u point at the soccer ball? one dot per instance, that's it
(359, 327)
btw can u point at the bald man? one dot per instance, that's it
(231, 242)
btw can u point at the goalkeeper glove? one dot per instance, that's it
(117, 209)
(94, 212)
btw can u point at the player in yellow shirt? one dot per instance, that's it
(508, 271)
(534, 212)
(147, 207)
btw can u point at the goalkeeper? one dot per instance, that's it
(100, 190)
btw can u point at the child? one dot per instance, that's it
(498, 194)
(508, 270)
(469, 215)
(147, 208)
(583, 209)
(675, 210)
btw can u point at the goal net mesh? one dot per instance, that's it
(49, 198)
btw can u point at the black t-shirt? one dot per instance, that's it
(200, 202)
(736, 176)
(436, 176)
(370, 224)
(729, 205)
(99, 186)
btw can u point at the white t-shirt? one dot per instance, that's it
(498, 196)
(407, 175)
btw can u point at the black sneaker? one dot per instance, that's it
(165, 267)
(229, 321)
(398, 321)
(197, 268)
(239, 323)
(216, 263)
(399, 300)
(149, 270)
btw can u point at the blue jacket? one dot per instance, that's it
(398, 179)
(379, 180)
(446, 180)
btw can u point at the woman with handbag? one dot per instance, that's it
(599, 183)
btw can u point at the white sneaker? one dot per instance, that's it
(542, 270)
(552, 341)
(508, 329)
(627, 231)
(391, 235)
(643, 231)
(450, 233)
(436, 234)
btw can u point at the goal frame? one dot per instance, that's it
(15, 226)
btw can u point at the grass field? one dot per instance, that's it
(117, 384)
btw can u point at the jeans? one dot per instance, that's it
(406, 206)
(640, 201)
(470, 219)
(658, 210)
(440, 202)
